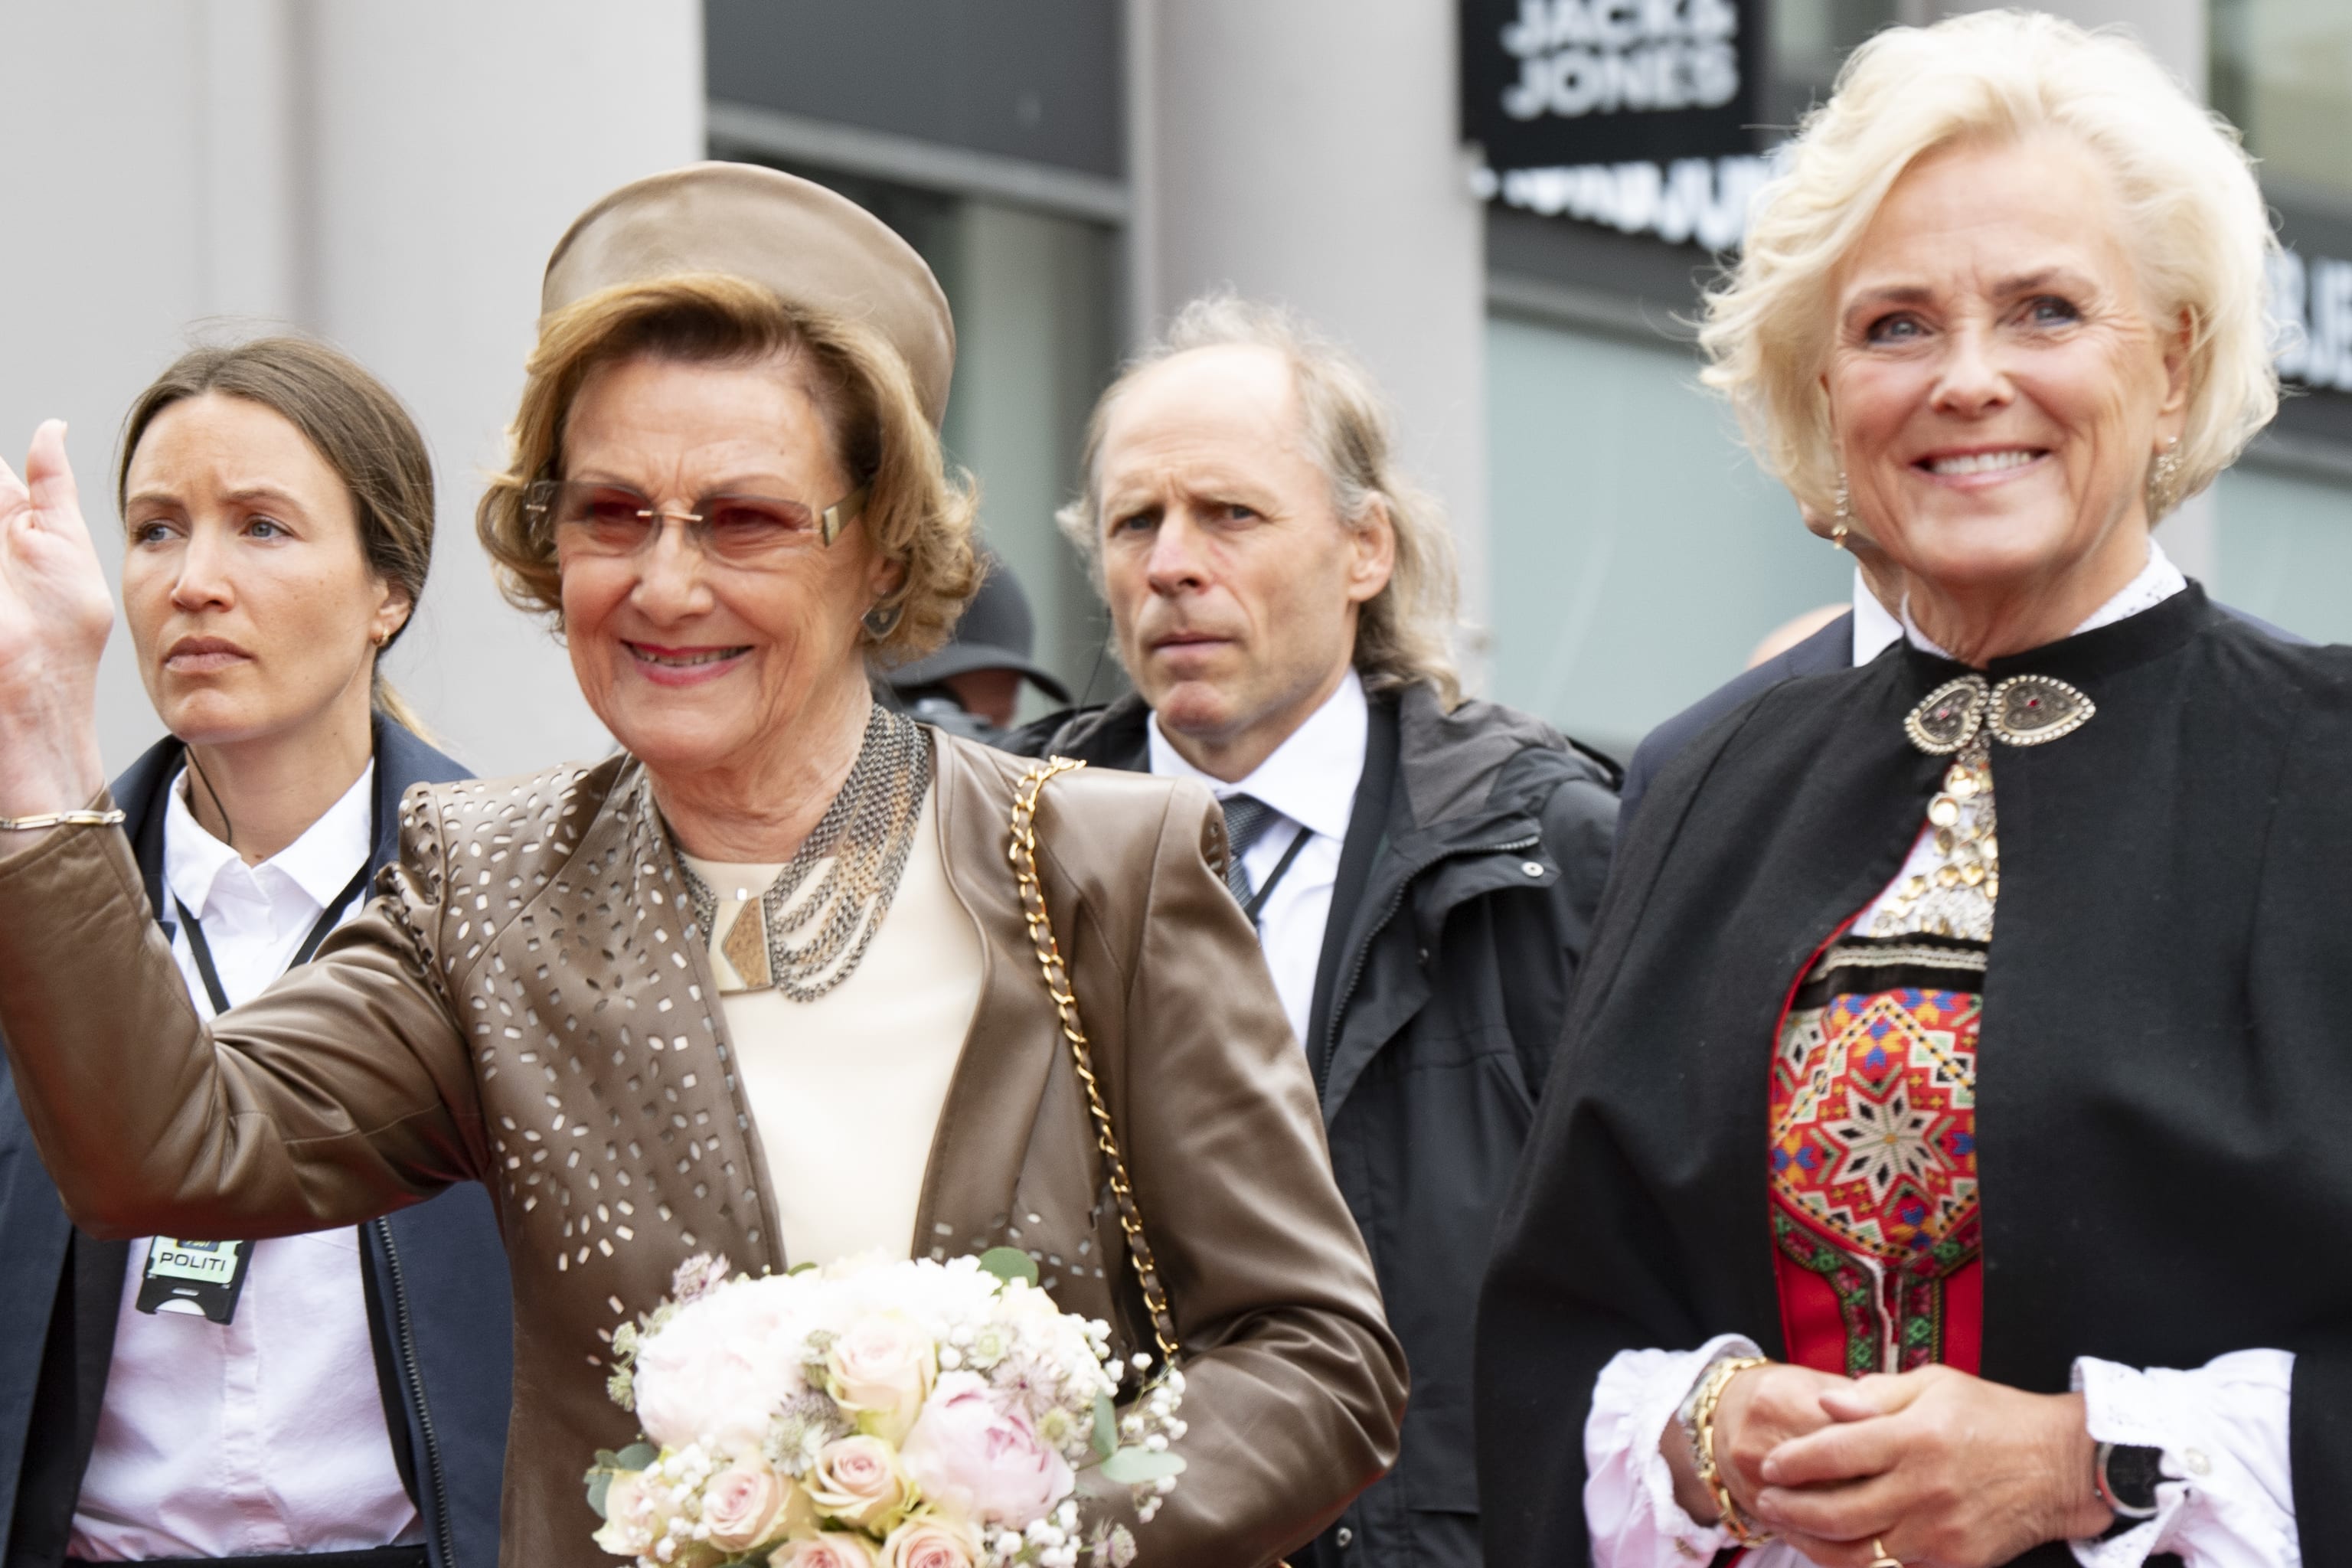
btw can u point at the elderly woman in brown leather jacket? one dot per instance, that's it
(760, 984)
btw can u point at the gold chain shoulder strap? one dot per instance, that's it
(1023, 855)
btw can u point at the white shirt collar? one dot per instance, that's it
(319, 865)
(2158, 581)
(1874, 628)
(1311, 777)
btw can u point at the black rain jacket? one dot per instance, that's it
(1473, 865)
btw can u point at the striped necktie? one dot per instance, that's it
(1246, 820)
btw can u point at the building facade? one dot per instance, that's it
(1077, 170)
(391, 176)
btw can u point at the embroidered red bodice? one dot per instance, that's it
(1876, 1225)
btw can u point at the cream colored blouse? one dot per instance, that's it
(846, 1089)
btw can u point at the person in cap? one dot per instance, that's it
(583, 988)
(973, 684)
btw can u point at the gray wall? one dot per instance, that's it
(389, 173)
(1308, 152)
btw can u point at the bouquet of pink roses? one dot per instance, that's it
(876, 1415)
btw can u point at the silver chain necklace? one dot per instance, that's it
(804, 946)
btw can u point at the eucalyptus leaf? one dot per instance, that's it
(1106, 1427)
(1010, 1263)
(1138, 1467)
(636, 1457)
(599, 1483)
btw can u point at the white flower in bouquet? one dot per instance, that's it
(873, 1414)
(827, 1549)
(860, 1481)
(931, 1542)
(746, 1505)
(879, 1369)
(718, 1370)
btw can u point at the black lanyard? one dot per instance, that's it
(327, 921)
(1257, 899)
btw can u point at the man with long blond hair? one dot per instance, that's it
(1422, 870)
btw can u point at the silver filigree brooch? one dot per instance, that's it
(2023, 711)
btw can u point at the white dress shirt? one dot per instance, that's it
(264, 1435)
(2222, 1427)
(1310, 782)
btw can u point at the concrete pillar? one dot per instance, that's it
(389, 173)
(1309, 152)
(145, 204)
(2176, 31)
(451, 143)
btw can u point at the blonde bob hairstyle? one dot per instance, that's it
(1404, 632)
(2193, 217)
(915, 513)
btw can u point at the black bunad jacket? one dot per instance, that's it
(435, 1277)
(2161, 1083)
(1825, 652)
(1474, 861)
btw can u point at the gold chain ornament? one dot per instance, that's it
(1024, 856)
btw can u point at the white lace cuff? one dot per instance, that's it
(1629, 1491)
(2228, 1499)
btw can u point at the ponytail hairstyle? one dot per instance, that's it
(354, 422)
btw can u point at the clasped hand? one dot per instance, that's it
(1936, 1467)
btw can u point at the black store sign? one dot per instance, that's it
(1558, 83)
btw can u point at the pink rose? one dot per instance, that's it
(744, 1505)
(858, 1481)
(829, 1550)
(981, 1458)
(882, 1371)
(929, 1542)
(633, 1521)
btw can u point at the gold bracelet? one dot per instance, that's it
(61, 819)
(1710, 1393)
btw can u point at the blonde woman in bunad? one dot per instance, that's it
(1950, 1138)
(603, 991)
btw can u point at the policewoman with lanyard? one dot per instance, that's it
(332, 1398)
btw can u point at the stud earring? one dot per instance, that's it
(1841, 521)
(881, 620)
(2164, 482)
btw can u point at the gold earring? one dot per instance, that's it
(2164, 482)
(1841, 521)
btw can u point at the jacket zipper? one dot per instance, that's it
(1347, 992)
(405, 1338)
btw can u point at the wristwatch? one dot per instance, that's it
(2127, 1478)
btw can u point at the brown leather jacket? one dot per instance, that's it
(522, 1007)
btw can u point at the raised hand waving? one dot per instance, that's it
(54, 613)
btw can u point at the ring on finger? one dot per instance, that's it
(1884, 1558)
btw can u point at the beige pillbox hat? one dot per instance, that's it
(813, 246)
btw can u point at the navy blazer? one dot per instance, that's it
(435, 1277)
